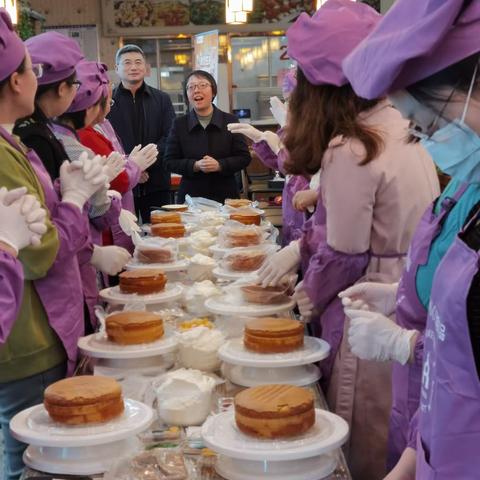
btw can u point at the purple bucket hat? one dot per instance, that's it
(413, 41)
(94, 84)
(320, 43)
(58, 54)
(12, 49)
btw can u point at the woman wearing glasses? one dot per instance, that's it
(58, 56)
(41, 344)
(200, 147)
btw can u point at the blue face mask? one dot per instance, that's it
(455, 149)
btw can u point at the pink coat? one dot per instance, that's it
(371, 209)
(11, 286)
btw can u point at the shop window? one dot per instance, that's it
(258, 65)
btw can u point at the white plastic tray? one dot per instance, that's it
(97, 345)
(34, 426)
(166, 267)
(315, 468)
(313, 350)
(221, 306)
(221, 434)
(172, 292)
(300, 375)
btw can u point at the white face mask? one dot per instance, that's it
(455, 148)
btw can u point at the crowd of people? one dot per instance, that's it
(388, 264)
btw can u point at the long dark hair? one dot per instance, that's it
(438, 87)
(319, 113)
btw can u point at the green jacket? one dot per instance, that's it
(32, 346)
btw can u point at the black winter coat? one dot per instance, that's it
(156, 114)
(189, 141)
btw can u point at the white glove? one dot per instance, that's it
(128, 222)
(144, 157)
(256, 135)
(373, 336)
(80, 179)
(101, 199)
(279, 111)
(22, 219)
(273, 141)
(110, 260)
(378, 297)
(246, 129)
(303, 302)
(114, 165)
(280, 264)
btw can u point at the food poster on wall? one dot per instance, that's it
(205, 52)
(147, 15)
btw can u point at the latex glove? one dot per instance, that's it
(128, 222)
(144, 177)
(378, 297)
(373, 336)
(273, 141)
(110, 260)
(114, 165)
(100, 199)
(256, 135)
(80, 179)
(246, 129)
(280, 264)
(304, 199)
(279, 111)
(144, 157)
(22, 219)
(303, 302)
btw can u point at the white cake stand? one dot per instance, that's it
(97, 345)
(223, 274)
(112, 295)
(116, 361)
(306, 457)
(83, 449)
(221, 306)
(166, 267)
(250, 369)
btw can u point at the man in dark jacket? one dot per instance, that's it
(142, 114)
(201, 149)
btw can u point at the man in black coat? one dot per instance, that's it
(200, 147)
(142, 114)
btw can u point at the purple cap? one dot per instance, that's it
(413, 41)
(320, 43)
(94, 84)
(289, 82)
(12, 49)
(58, 54)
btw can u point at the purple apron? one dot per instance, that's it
(11, 288)
(292, 219)
(411, 314)
(61, 290)
(326, 272)
(449, 422)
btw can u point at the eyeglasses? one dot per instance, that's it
(129, 63)
(200, 86)
(37, 69)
